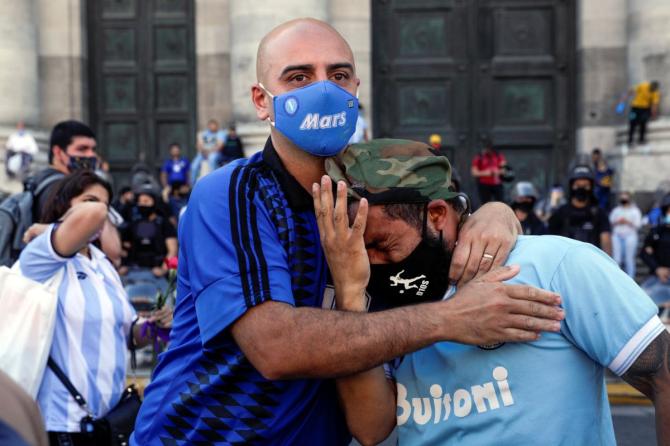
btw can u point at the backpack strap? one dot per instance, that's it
(68, 385)
(48, 181)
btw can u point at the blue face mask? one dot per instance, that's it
(667, 219)
(319, 118)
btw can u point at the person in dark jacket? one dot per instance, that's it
(656, 255)
(524, 198)
(581, 218)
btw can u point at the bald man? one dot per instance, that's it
(254, 339)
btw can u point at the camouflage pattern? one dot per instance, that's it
(392, 171)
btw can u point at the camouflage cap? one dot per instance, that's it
(392, 171)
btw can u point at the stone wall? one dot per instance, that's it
(601, 71)
(63, 65)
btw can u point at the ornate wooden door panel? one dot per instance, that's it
(142, 79)
(419, 69)
(467, 69)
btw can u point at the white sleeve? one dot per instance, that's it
(636, 345)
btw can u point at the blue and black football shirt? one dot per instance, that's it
(249, 236)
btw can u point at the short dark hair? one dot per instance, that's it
(413, 213)
(64, 131)
(653, 85)
(174, 144)
(68, 188)
(596, 151)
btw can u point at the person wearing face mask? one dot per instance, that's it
(551, 390)
(150, 238)
(254, 345)
(626, 220)
(72, 148)
(581, 218)
(22, 145)
(95, 323)
(524, 197)
(656, 255)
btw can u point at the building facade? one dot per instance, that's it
(541, 78)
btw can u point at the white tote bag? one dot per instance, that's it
(27, 321)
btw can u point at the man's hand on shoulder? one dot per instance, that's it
(486, 311)
(484, 242)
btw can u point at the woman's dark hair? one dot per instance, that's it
(68, 188)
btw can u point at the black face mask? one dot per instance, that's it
(82, 163)
(624, 202)
(423, 276)
(523, 206)
(146, 211)
(580, 193)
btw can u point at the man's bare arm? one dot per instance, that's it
(285, 342)
(650, 374)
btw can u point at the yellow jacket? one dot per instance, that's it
(644, 97)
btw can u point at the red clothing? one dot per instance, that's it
(485, 161)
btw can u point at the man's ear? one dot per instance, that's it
(439, 214)
(262, 102)
(58, 153)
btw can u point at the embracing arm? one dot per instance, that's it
(492, 230)
(650, 374)
(285, 342)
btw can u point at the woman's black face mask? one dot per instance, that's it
(423, 276)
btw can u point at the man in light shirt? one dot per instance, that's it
(21, 148)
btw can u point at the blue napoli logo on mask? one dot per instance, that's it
(291, 105)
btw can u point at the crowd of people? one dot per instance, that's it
(326, 290)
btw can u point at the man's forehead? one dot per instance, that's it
(303, 43)
(81, 140)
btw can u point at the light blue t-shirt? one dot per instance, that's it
(548, 392)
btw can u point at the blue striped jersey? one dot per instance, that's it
(248, 236)
(90, 339)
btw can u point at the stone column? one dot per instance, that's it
(352, 18)
(643, 168)
(250, 20)
(212, 28)
(601, 75)
(18, 72)
(649, 45)
(62, 61)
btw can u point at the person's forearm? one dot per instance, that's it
(328, 344)
(78, 225)
(172, 247)
(662, 408)
(368, 401)
(367, 398)
(502, 211)
(110, 242)
(139, 340)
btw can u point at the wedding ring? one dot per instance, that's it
(487, 256)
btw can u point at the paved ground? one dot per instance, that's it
(634, 425)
